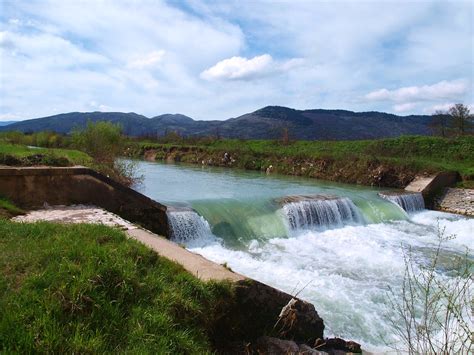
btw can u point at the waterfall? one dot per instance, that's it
(186, 225)
(410, 202)
(322, 213)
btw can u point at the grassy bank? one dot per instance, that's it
(386, 162)
(89, 289)
(21, 155)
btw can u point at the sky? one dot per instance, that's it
(221, 59)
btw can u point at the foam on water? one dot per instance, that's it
(348, 270)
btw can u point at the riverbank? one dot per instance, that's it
(89, 288)
(385, 163)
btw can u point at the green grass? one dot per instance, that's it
(431, 153)
(89, 289)
(8, 209)
(22, 155)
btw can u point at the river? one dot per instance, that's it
(340, 254)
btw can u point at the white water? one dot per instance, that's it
(409, 202)
(322, 213)
(344, 272)
(187, 226)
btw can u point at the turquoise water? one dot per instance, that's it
(241, 205)
(345, 269)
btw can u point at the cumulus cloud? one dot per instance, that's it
(240, 68)
(442, 90)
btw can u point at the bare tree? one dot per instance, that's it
(462, 119)
(440, 122)
(433, 314)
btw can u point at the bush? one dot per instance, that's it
(104, 142)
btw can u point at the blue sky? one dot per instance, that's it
(221, 59)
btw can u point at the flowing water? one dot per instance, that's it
(341, 250)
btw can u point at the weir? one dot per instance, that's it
(409, 201)
(186, 225)
(303, 212)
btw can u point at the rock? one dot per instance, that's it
(354, 347)
(318, 342)
(269, 345)
(299, 321)
(337, 346)
(307, 350)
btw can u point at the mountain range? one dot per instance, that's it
(266, 123)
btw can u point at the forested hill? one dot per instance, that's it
(266, 123)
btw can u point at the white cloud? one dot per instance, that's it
(240, 68)
(149, 60)
(442, 90)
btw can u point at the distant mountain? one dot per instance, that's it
(6, 123)
(266, 123)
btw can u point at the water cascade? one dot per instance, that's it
(410, 202)
(187, 225)
(305, 212)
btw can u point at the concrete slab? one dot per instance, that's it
(195, 264)
(420, 184)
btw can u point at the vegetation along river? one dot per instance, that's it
(341, 252)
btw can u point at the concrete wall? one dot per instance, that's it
(31, 187)
(432, 186)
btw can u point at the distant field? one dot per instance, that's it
(90, 289)
(414, 152)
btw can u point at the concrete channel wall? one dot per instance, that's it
(32, 187)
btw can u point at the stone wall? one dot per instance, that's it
(32, 187)
(459, 201)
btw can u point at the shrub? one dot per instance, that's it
(104, 142)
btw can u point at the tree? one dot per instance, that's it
(461, 117)
(440, 122)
